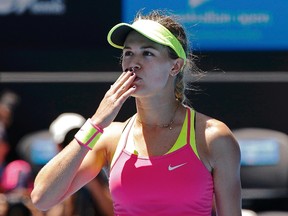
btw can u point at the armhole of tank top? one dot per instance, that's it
(182, 138)
(191, 131)
(122, 141)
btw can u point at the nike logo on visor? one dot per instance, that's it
(170, 167)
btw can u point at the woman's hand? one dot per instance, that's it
(114, 99)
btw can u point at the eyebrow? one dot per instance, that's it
(143, 47)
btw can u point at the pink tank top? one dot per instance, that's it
(173, 184)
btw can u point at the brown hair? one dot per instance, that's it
(190, 69)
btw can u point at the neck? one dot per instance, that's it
(161, 115)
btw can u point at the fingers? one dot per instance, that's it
(123, 97)
(121, 82)
(114, 98)
(122, 88)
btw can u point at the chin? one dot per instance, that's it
(138, 92)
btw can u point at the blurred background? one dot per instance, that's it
(55, 58)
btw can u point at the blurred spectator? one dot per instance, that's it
(15, 177)
(37, 148)
(16, 186)
(3, 205)
(4, 150)
(8, 101)
(62, 125)
(18, 209)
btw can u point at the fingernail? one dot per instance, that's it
(132, 74)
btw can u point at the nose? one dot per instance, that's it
(133, 69)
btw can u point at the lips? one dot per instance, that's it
(137, 78)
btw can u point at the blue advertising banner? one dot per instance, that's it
(215, 25)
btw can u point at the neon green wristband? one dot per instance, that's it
(89, 134)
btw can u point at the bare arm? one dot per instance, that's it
(75, 166)
(225, 161)
(59, 178)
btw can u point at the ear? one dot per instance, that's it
(177, 66)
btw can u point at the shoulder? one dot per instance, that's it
(217, 141)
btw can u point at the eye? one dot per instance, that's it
(127, 53)
(147, 53)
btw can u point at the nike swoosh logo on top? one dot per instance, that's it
(170, 168)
